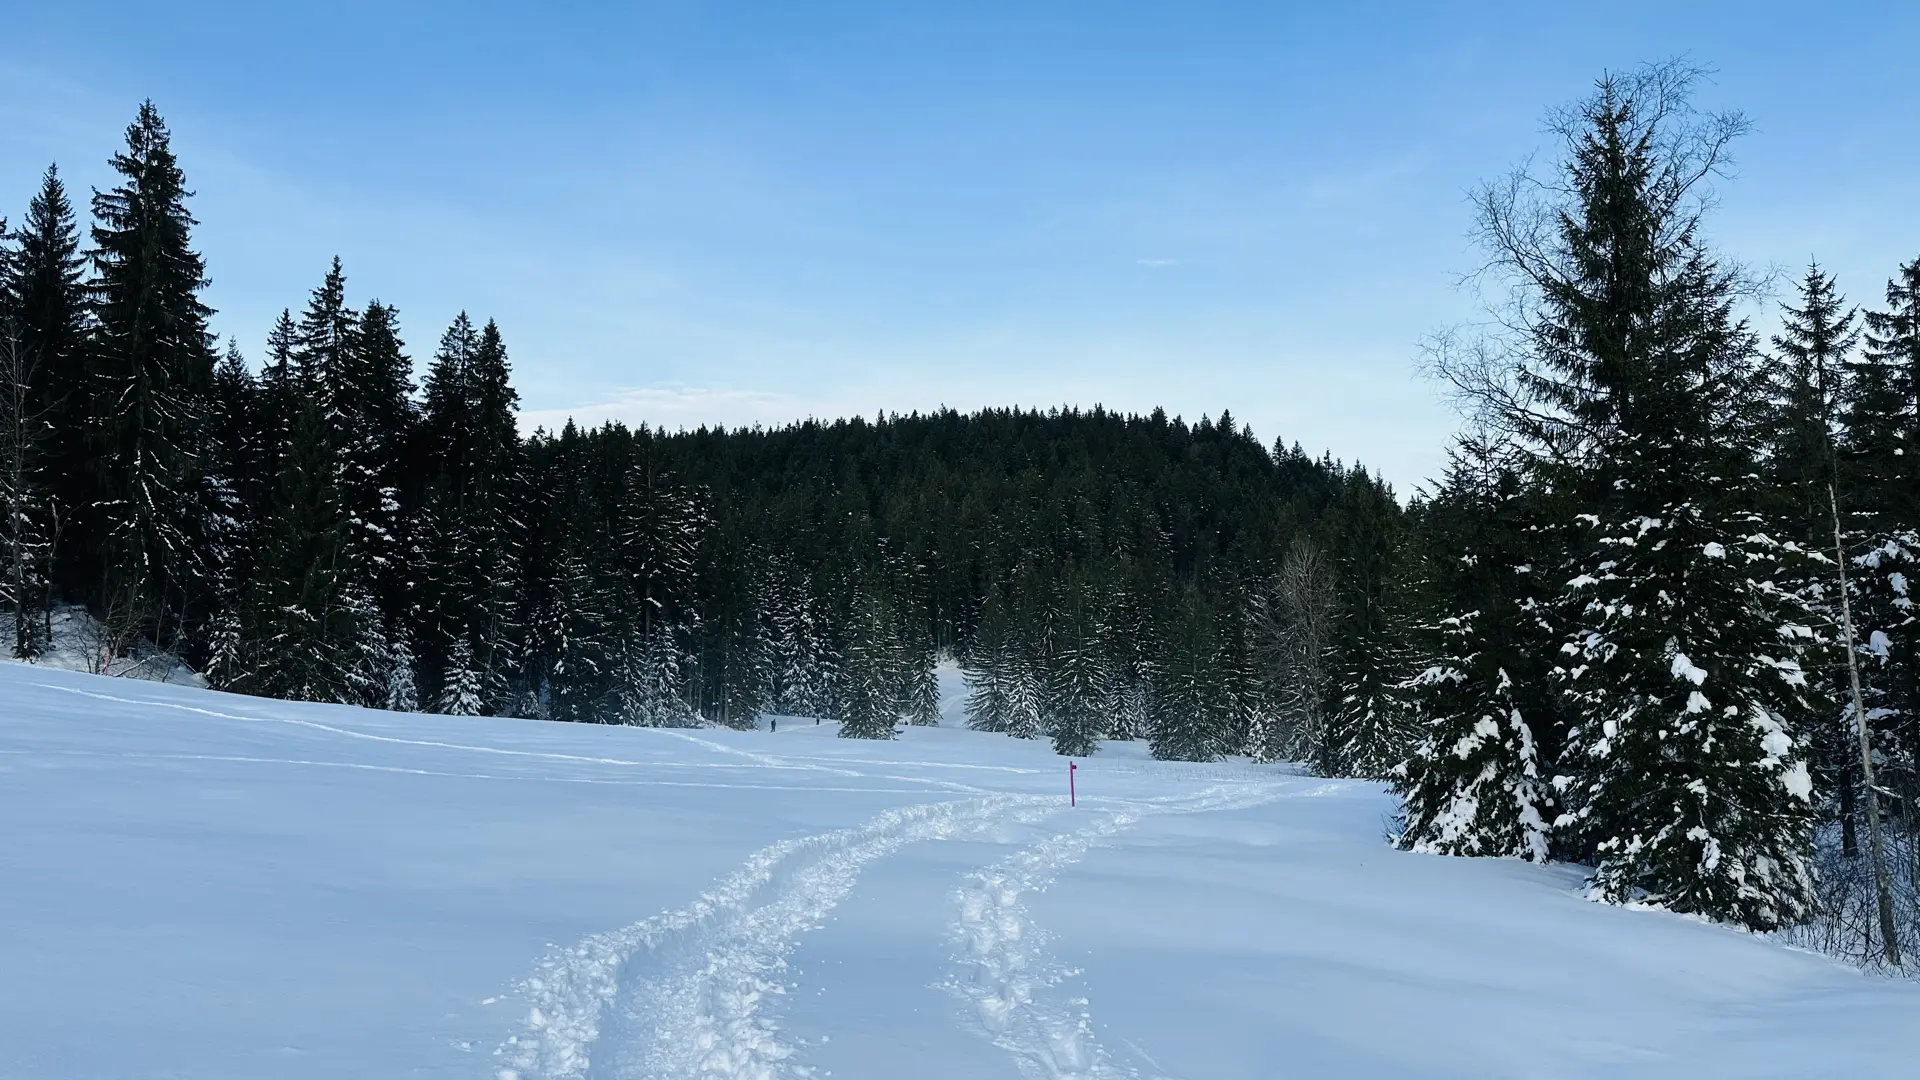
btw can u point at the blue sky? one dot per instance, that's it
(722, 212)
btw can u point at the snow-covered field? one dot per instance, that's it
(200, 885)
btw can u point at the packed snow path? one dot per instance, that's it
(680, 995)
(1012, 990)
(208, 886)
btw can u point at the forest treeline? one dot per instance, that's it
(1656, 617)
(318, 527)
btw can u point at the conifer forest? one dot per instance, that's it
(1656, 617)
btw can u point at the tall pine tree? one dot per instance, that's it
(43, 303)
(306, 633)
(1685, 773)
(151, 374)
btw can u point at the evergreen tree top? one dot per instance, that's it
(41, 284)
(49, 239)
(152, 196)
(1819, 323)
(1625, 318)
(233, 365)
(325, 332)
(1816, 339)
(1895, 332)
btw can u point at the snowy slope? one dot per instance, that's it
(202, 885)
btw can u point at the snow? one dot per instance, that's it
(210, 886)
(79, 642)
(1684, 668)
(1798, 782)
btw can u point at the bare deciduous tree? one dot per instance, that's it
(1293, 624)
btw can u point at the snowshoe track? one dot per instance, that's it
(681, 995)
(1013, 993)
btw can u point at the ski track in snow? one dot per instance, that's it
(510, 778)
(1011, 990)
(765, 761)
(679, 996)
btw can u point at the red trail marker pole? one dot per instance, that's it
(1072, 799)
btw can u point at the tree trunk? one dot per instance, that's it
(1883, 892)
(1849, 830)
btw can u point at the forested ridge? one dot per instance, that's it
(1654, 618)
(317, 526)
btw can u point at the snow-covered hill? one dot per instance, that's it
(200, 885)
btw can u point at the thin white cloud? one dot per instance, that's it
(1156, 263)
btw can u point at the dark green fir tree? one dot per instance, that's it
(1685, 775)
(1476, 782)
(152, 370)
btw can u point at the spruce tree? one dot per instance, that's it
(1684, 773)
(1476, 783)
(495, 486)
(1799, 417)
(1022, 672)
(306, 635)
(1369, 719)
(233, 437)
(649, 684)
(803, 658)
(1878, 454)
(869, 692)
(153, 366)
(468, 532)
(381, 423)
(734, 640)
(1127, 634)
(919, 682)
(233, 462)
(323, 345)
(443, 612)
(581, 646)
(1186, 715)
(658, 541)
(1881, 452)
(1077, 694)
(1893, 343)
(1797, 438)
(461, 692)
(1022, 669)
(43, 298)
(987, 704)
(283, 394)
(1249, 699)
(355, 365)
(402, 690)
